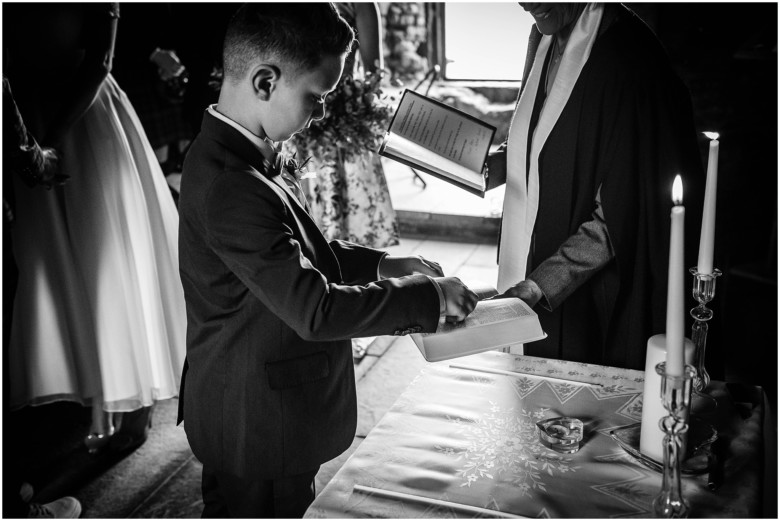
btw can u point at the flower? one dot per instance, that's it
(298, 170)
(357, 115)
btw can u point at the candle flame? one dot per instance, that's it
(711, 135)
(677, 190)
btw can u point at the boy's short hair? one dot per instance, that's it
(292, 36)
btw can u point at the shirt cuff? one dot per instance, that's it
(442, 302)
(379, 265)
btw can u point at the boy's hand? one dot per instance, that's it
(392, 266)
(459, 300)
(526, 290)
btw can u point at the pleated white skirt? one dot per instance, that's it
(99, 308)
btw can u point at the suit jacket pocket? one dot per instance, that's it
(297, 371)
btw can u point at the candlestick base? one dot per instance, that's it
(676, 396)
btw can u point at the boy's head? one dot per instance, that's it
(280, 60)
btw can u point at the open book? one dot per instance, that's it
(440, 140)
(492, 325)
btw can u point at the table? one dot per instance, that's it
(463, 434)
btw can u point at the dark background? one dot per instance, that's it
(726, 53)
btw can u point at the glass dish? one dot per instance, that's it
(562, 434)
(698, 458)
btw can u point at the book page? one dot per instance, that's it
(489, 312)
(444, 130)
(492, 324)
(420, 155)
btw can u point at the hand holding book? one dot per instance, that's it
(459, 300)
(497, 321)
(440, 140)
(526, 290)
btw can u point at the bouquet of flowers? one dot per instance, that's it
(357, 114)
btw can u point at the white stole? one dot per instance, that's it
(521, 202)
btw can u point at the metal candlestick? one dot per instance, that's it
(703, 292)
(676, 397)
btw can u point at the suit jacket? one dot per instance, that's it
(268, 388)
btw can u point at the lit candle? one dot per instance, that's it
(675, 301)
(707, 240)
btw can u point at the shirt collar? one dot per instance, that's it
(266, 149)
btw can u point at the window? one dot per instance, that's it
(481, 41)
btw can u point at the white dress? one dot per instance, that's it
(99, 308)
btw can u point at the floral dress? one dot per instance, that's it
(349, 197)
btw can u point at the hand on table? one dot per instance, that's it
(392, 266)
(459, 300)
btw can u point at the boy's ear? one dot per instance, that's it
(264, 80)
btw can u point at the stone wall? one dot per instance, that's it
(405, 40)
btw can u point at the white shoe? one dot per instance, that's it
(64, 508)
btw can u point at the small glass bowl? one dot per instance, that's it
(562, 434)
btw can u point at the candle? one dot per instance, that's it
(651, 437)
(707, 240)
(675, 301)
(672, 347)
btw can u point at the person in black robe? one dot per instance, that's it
(600, 166)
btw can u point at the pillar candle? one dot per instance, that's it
(651, 436)
(707, 239)
(675, 300)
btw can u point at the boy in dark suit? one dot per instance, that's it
(268, 391)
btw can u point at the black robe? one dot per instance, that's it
(627, 127)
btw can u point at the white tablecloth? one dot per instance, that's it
(468, 437)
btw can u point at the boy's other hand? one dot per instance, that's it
(459, 299)
(392, 266)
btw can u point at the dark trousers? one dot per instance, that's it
(227, 496)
